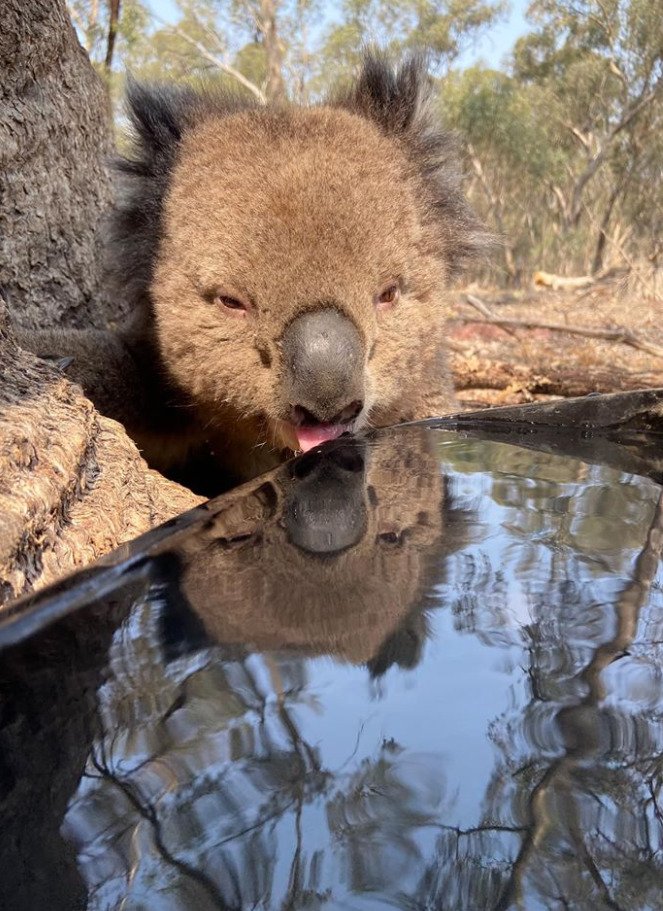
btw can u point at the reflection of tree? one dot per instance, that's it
(529, 482)
(197, 816)
(376, 812)
(581, 727)
(170, 812)
(592, 829)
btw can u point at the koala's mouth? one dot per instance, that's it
(310, 431)
(306, 435)
(311, 435)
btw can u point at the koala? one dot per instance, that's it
(286, 268)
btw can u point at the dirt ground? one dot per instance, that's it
(502, 365)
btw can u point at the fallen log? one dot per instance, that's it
(560, 282)
(473, 372)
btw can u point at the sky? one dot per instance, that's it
(491, 48)
(496, 44)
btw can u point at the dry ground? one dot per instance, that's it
(500, 365)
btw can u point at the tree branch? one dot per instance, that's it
(625, 336)
(216, 61)
(604, 148)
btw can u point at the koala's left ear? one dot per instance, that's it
(395, 98)
(400, 101)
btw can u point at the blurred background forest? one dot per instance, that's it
(563, 136)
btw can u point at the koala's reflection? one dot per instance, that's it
(336, 556)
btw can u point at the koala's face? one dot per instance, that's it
(298, 278)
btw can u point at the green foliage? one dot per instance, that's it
(442, 27)
(567, 141)
(503, 118)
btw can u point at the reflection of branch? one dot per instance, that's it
(294, 890)
(478, 830)
(584, 853)
(536, 830)
(304, 751)
(627, 608)
(260, 823)
(658, 813)
(148, 813)
(573, 718)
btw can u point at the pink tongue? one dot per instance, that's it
(309, 437)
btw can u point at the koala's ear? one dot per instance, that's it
(395, 98)
(400, 101)
(159, 116)
(403, 647)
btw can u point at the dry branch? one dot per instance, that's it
(215, 60)
(625, 336)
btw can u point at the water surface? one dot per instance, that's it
(413, 672)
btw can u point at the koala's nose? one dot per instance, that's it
(301, 415)
(323, 357)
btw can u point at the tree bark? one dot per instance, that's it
(55, 138)
(72, 484)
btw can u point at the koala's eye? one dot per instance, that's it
(391, 537)
(234, 305)
(388, 296)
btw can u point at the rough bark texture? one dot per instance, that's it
(54, 187)
(72, 483)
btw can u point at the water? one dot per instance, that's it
(422, 672)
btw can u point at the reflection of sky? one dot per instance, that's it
(443, 710)
(491, 47)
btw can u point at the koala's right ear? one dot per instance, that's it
(159, 116)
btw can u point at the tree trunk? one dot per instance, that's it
(113, 23)
(72, 484)
(275, 86)
(55, 138)
(599, 252)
